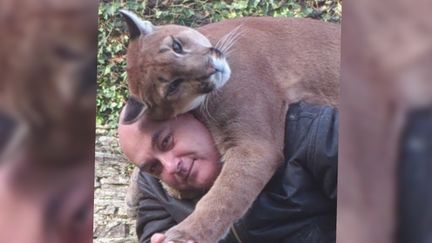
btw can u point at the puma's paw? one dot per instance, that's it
(180, 236)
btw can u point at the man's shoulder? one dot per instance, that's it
(311, 132)
(152, 189)
(304, 110)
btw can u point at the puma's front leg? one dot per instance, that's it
(247, 169)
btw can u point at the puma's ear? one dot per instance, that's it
(132, 111)
(136, 25)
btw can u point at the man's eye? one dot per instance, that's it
(166, 143)
(176, 46)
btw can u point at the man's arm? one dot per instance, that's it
(322, 155)
(152, 218)
(312, 140)
(157, 212)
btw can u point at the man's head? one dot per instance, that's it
(180, 152)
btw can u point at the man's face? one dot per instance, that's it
(180, 152)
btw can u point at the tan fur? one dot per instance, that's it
(274, 62)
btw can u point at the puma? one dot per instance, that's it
(239, 77)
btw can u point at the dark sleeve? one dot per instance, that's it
(299, 203)
(231, 237)
(152, 217)
(322, 154)
(157, 211)
(312, 140)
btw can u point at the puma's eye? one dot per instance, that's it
(176, 46)
(173, 87)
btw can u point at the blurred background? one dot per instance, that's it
(47, 120)
(385, 143)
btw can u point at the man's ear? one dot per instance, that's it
(136, 25)
(132, 111)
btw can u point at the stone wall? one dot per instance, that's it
(111, 223)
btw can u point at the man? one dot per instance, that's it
(297, 205)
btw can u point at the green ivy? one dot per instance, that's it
(112, 84)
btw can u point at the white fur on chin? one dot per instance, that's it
(195, 103)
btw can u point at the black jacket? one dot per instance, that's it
(297, 205)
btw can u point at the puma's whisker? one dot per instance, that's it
(234, 38)
(229, 39)
(222, 42)
(206, 109)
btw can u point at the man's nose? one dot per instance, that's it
(173, 165)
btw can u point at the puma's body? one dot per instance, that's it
(273, 62)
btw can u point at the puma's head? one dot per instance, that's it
(171, 68)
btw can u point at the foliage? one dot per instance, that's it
(112, 85)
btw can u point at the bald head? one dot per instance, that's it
(180, 151)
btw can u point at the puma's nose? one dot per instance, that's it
(216, 52)
(211, 69)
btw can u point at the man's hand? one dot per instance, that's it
(159, 238)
